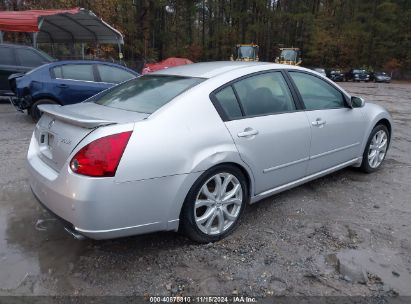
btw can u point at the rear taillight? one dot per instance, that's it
(101, 157)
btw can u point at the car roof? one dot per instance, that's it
(63, 62)
(215, 68)
(85, 61)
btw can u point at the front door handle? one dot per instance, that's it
(319, 123)
(248, 132)
(62, 85)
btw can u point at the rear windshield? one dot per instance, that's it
(146, 94)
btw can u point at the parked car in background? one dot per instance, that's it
(18, 59)
(65, 82)
(357, 75)
(187, 148)
(380, 77)
(320, 70)
(335, 74)
(165, 64)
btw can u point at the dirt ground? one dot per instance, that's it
(348, 233)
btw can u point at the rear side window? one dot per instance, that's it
(264, 94)
(316, 93)
(74, 72)
(29, 58)
(146, 94)
(227, 100)
(112, 74)
(6, 56)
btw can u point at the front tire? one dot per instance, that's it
(35, 112)
(214, 204)
(376, 149)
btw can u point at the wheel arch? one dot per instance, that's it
(245, 170)
(376, 115)
(38, 97)
(386, 123)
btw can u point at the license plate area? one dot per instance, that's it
(46, 143)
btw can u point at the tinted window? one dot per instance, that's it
(229, 103)
(112, 74)
(146, 94)
(29, 58)
(6, 56)
(264, 94)
(74, 72)
(316, 93)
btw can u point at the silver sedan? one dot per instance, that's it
(188, 148)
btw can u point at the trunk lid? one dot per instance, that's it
(62, 128)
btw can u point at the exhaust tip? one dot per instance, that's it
(75, 234)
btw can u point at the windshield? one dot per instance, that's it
(146, 94)
(246, 52)
(290, 55)
(359, 71)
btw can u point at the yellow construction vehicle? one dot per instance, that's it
(290, 56)
(245, 52)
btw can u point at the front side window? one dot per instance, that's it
(264, 94)
(29, 58)
(146, 94)
(316, 93)
(112, 74)
(74, 72)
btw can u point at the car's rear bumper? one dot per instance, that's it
(21, 103)
(110, 211)
(101, 208)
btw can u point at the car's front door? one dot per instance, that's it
(74, 83)
(336, 129)
(271, 134)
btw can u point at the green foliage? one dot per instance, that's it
(331, 33)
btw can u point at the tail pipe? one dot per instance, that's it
(74, 234)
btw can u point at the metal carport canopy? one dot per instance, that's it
(60, 26)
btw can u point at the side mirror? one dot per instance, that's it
(357, 102)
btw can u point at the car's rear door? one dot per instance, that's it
(271, 133)
(73, 83)
(336, 129)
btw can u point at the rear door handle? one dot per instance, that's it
(63, 85)
(248, 132)
(319, 123)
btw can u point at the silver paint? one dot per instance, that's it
(169, 150)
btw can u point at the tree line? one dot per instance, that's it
(373, 34)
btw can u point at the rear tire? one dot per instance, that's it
(212, 209)
(376, 149)
(35, 112)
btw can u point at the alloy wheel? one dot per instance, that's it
(218, 203)
(378, 148)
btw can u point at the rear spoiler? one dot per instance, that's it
(66, 115)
